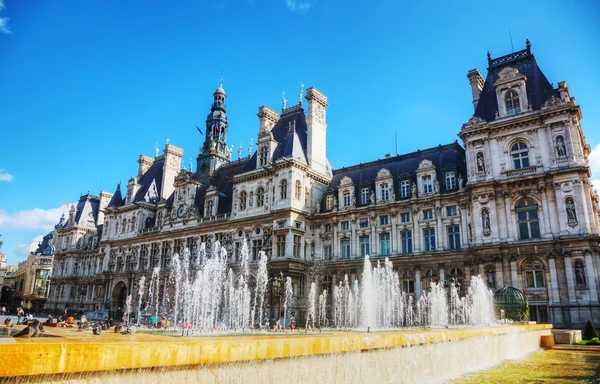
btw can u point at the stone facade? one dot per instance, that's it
(515, 206)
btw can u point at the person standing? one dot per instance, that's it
(19, 315)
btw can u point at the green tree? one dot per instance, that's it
(590, 331)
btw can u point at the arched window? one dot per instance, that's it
(528, 219)
(408, 282)
(580, 278)
(243, 197)
(430, 276)
(533, 272)
(512, 103)
(298, 190)
(329, 202)
(283, 190)
(457, 274)
(260, 196)
(519, 152)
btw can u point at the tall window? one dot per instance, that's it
(534, 274)
(363, 223)
(256, 247)
(346, 197)
(243, 199)
(263, 156)
(427, 214)
(519, 153)
(345, 225)
(528, 219)
(408, 282)
(406, 237)
(405, 189)
(384, 244)
(451, 211)
(364, 196)
(453, 236)
(298, 190)
(430, 276)
(364, 246)
(385, 192)
(283, 190)
(427, 184)
(457, 274)
(384, 220)
(405, 217)
(329, 202)
(512, 103)
(345, 244)
(450, 181)
(297, 245)
(281, 245)
(260, 196)
(327, 252)
(429, 239)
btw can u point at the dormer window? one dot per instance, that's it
(512, 103)
(450, 181)
(364, 196)
(329, 203)
(346, 197)
(405, 189)
(519, 154)
(385, 191)
(427, 184)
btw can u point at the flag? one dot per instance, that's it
(199, 130)
(67, 205)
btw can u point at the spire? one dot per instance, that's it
(283, 101)
(301, 93)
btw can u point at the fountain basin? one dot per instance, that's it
(74, 351)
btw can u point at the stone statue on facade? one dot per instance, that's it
(413, 190)
(480, 162)
(353, 200)
(561, 149)
(318, 206)
(460, 182)
(485, 221)
(335, 202)
(436, 185)
(580, 280)
(491, 279)
(570, 206)
(372, 196)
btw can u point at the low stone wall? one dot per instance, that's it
(115, 354)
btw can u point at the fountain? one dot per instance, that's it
(204, 295)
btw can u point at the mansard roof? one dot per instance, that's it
(87, 210)
(443, 157)
(539, 89)
(291, 134)
(117, 199)
(151, 182)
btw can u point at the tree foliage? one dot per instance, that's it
(590, 332)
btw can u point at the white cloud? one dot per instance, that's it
(297, 6)
(36, 218)
(3, 20)
(594, 160)
(5, 176)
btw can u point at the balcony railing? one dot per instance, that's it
(521, 172)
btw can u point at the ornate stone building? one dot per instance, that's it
(515, 206)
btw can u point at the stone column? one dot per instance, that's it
(509, 222)
(417, 283)
(548, 227)
(416, 232)
(553, 280)
(591, 279)
(499, 274)
(464, 227)
(514, 275)
(373, 241)
(570, 279)
(336, 246)
(353, 246)
(393, 236)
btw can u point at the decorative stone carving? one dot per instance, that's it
(570, 208)
(580, 279)
(561, 149)
(485, 222)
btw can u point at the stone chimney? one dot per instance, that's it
(476, 85)
(316, 122)
(171, 167)
(145, 162)
(267, 118)
(104, 200)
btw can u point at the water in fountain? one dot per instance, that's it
(142, 285)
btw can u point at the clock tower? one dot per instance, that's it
(214, 151)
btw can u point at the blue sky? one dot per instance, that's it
(86, 86)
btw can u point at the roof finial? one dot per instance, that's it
(156, 150)
(221, 79)
(240, 150)
(283, 101)
(528, 45)
(489, 59)
(167, 140)
(301, 93)
(191, 166)
(250, 147)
